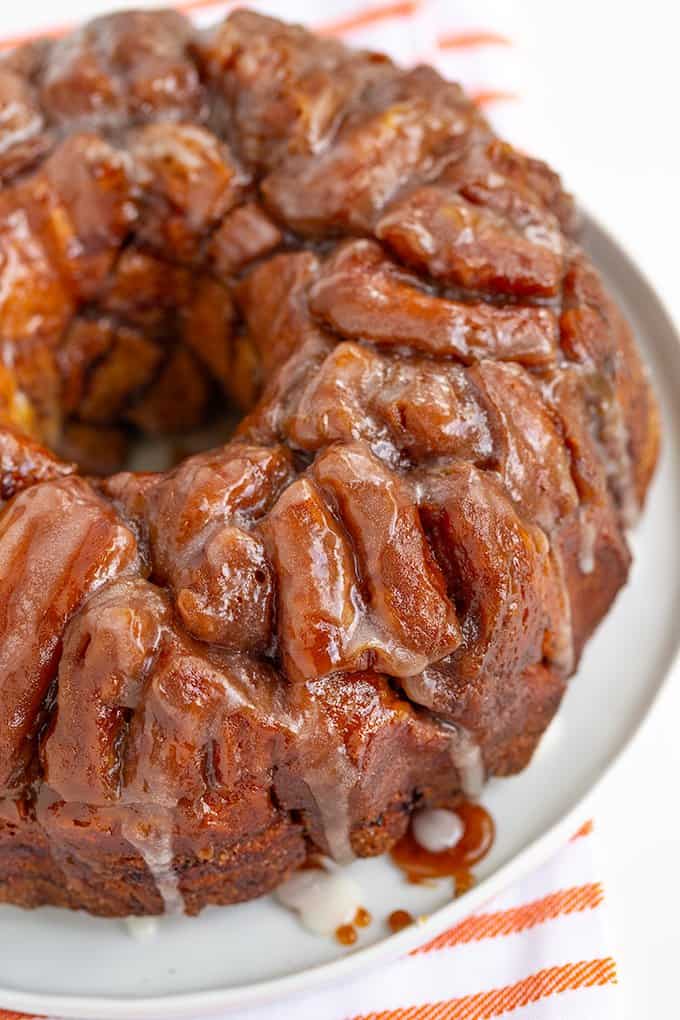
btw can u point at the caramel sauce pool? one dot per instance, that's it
(419, 864)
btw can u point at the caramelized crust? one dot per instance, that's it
(374, 594)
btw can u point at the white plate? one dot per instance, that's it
(77, 966)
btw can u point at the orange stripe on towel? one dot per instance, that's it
(198, 5)
(57, 31)
(518, 919)
(361, 19)
(471, 40)
(7, 1014)
(369, 16)
(485, 97)
(485, 1005)
(585, 830)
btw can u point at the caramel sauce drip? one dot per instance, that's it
(419, 864)
(398, 920)
(362, 918)
(346, 934)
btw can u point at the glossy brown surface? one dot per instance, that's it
(374, 594)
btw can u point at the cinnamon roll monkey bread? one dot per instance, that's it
(371, 597)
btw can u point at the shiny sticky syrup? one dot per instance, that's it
(420, 865)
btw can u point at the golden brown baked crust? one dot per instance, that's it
(375, 593)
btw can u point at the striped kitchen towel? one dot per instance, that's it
(540, 951)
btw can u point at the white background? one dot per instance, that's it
(601, 87)
(606, 88)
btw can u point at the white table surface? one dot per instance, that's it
(601, 104)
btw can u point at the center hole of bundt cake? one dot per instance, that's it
(147, 394)
(103, 450)
(159, 452)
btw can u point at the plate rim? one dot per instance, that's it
(197, 1003)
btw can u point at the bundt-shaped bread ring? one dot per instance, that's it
(371, 597)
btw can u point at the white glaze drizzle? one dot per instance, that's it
(422, 689)
(141, 929)
(151, 836)
(589, 536)
(562, 628)
(330, 777)
(465, 752)
(618, 462)
(466, 756)
(29, 130)
(436, 829)
(324, 900)
(331, 782)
